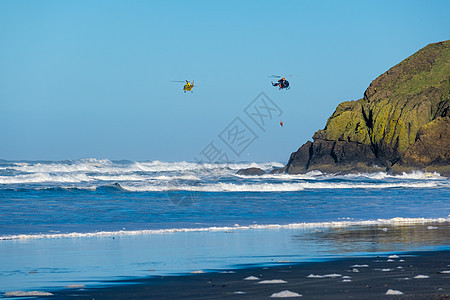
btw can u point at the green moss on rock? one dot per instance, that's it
(346, 124)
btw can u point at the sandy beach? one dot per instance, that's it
(416, 275)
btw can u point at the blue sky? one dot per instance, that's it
(92, 79)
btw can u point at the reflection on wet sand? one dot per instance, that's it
(381, 238)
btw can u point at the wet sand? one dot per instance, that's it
(417, 275)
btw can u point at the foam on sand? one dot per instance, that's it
(273, 281)
(285, 294)
(359, 266)
(324, 276)
(76, 286)
(26, 294)
(314, 276)
(393, 292)
(334, 275)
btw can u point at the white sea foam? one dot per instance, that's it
(107, 166)
(84, 165)
(166, 183)
(45, 177)
(160, 176)
(284, 176)
(158, 166)
(105, 170)
(129, 177)
(181, 177)
(363, 185)
(338, 224)
(263, 187)
(420, 175)
(217, 187)
(272, 187)
(146, 178)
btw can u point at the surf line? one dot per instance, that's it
(332, 224)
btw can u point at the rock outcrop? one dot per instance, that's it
(251, 172)
(402, 122)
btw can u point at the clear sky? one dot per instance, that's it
(92, 79)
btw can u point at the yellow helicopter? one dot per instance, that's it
(188, 86)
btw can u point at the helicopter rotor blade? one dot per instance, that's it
(278, 76)
(178, 81)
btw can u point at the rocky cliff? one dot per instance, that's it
(402, 122)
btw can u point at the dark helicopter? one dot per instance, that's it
(282, 82)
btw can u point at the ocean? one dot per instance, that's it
(95, 222)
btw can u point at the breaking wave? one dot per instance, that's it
(107, 166)
(157, 176)
(274, 187)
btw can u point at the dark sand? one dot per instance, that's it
(370, 282)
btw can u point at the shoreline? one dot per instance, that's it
(418, 275)
(342, 223)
